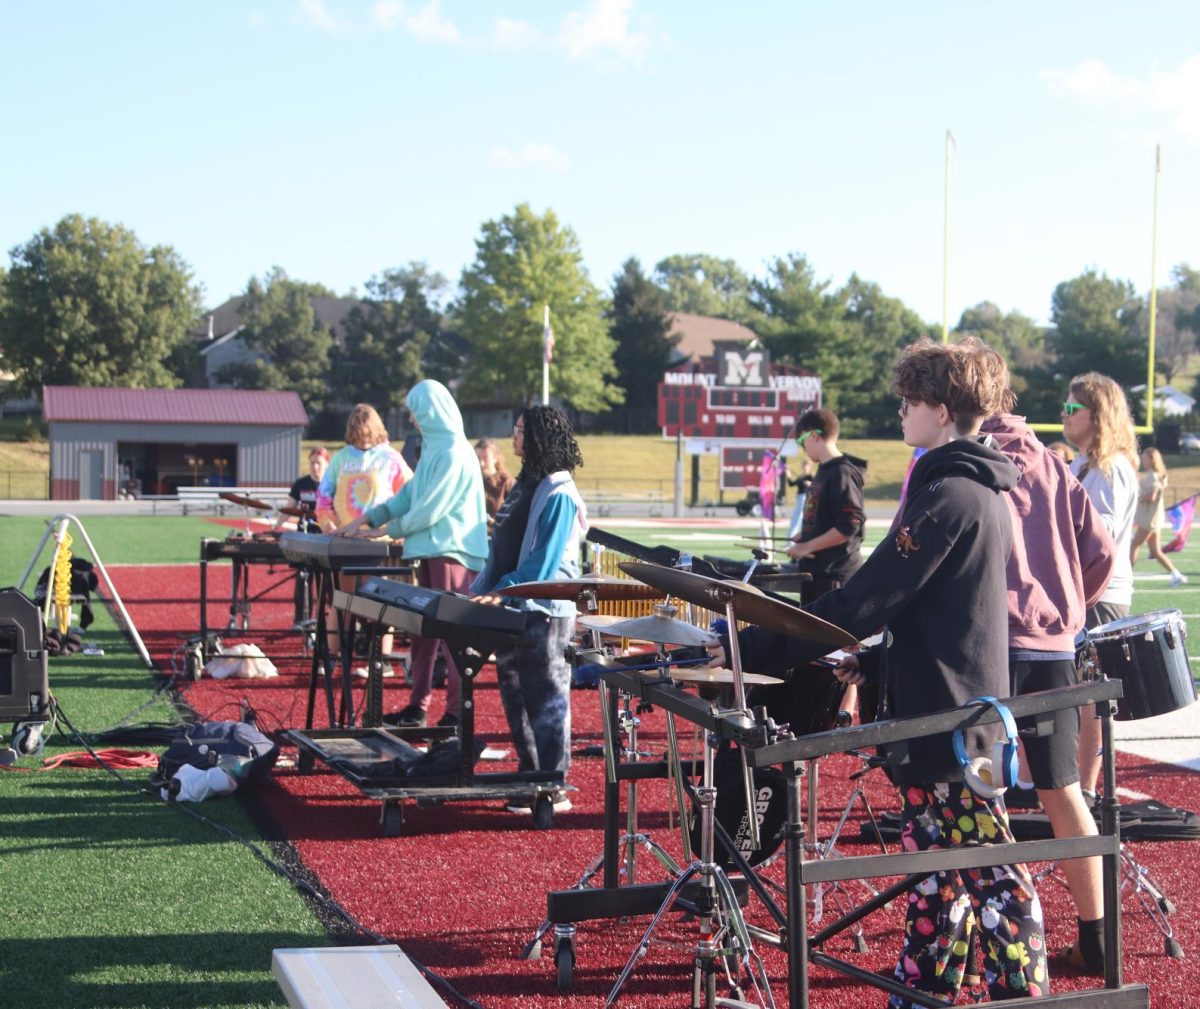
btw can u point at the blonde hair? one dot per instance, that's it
(1112, 423)
(1156, 463)
(364, 427)
(491, 445)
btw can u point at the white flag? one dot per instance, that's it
(548, 339)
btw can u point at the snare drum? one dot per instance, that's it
(1148, 654)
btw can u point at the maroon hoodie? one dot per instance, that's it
(1062, 555)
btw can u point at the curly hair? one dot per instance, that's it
(1112, 423)
(550, 443)
(364, 427)
(969, 378)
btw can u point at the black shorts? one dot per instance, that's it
(1052, 759)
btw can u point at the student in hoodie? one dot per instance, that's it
(937, 585)
(440, 515)
(536, 538)
(364, 472)
(1061, 562)
(832, 530)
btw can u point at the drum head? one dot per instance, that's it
(771, 808)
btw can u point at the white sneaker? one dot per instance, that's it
(1178, 578)
(362, 672)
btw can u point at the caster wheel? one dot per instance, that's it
(564, 965)
(1165, 906)
(306, 762)
(393, 819)
(543, 812)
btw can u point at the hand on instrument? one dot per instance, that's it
(489, 600)
(350, 528)
(367, 533)
(717, 657)
(798, 551)
(847, 671)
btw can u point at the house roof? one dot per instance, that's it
(172, 406)
(698, 334)
(227, 319)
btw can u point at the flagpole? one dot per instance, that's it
(545, 357)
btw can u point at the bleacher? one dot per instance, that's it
(209, 498)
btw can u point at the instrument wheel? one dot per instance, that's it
(393, 819)
(564, 964)
(543, 812)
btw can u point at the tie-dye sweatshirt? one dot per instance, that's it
(357, 480)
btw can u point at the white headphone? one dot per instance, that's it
(988, 777)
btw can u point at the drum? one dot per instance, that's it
(770, 808)
(808, 702)
(1148, 654)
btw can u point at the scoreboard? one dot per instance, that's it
(738, 401)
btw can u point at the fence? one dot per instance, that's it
(24, 485)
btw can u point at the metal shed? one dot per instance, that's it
(106, 443)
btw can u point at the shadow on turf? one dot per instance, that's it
(203, 966)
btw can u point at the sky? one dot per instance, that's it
(340, 138)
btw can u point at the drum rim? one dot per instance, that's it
(1134, 622)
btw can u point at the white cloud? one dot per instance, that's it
(602, 30)
(1169, 91)
(387, 14)
(508, 33)
(540, 157)
(429, 25)
(314, 12)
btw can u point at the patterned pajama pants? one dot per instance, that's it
(535, 689)
(998, 903)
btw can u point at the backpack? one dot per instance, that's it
(237, 747)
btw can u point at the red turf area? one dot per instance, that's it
(464, 887)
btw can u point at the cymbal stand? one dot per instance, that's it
(618, 716)
(724, 940)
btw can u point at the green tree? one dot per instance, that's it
(798, 318)
(705, 285)
(1097, 328)
(640, 327)
(523, 262)
(85, 303)
(289, 347)
(1022, 343)
(1176, 329)
(387, 337)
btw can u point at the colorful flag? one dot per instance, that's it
(1180, 516)
(548, 339)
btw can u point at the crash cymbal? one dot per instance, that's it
(704, 674)
(662, 628)
(749, 603)
(604, 587)
(245, 502)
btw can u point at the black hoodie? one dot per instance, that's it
(835, 501)
(938, 584)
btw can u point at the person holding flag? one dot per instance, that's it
(1150, 514)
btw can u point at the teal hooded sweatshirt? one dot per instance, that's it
(440, 512)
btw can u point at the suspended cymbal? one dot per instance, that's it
(603, 587)
(245, 502)
(703, 674)
(749, 603)
(662, 628)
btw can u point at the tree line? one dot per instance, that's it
(86, 303)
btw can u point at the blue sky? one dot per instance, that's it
(338, 138)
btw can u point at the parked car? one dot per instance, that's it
(1189, 442)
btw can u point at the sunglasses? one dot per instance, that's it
(808, 434)
(1070, 409)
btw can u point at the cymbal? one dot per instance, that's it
(749, 603)
(604, 587)
(245, 502)
(662, 628)
(704, 674)
(598, 621)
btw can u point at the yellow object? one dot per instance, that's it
(62, 584)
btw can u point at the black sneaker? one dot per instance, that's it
(448, 721)
(408, 717)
